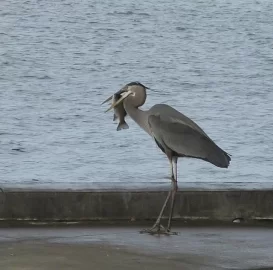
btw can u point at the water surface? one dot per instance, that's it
(213, 61)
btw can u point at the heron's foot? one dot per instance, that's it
(158, 229)
(169, 232)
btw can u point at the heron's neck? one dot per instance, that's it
(139, 116)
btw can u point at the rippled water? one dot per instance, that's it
(211, 60)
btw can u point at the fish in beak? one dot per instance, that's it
(118, 93)
(117, 102)
(123, 92)
(117, 105)
(119, 113)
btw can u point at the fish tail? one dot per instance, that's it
(122, 125)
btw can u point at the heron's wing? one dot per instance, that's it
(169, 114)
(183, 140)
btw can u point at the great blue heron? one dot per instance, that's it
(174, 133)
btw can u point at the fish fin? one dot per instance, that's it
(123, 125)
(114, 117)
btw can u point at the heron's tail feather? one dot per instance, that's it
(219, 158)
(122, 125)
(225, 162)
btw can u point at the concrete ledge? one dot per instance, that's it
(50, 206)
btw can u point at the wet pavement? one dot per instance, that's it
(105, 247)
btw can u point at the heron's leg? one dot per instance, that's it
(157, 226)
(173, 192)
(171, 168)
(157, 223)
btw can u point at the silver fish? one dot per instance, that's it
(119, 113)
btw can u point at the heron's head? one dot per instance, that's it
(133, 92)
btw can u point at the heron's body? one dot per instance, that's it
(177, 135)
(174, 133)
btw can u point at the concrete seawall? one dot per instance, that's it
(130, 205)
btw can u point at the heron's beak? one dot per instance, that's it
(123, 96)
(122, 90)
(106, 100)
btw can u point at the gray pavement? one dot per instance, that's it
(109, 247)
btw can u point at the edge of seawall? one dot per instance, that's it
(55, 205)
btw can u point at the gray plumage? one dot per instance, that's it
(180, 136)
(174, 133)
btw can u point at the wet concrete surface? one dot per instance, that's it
(110, 247)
